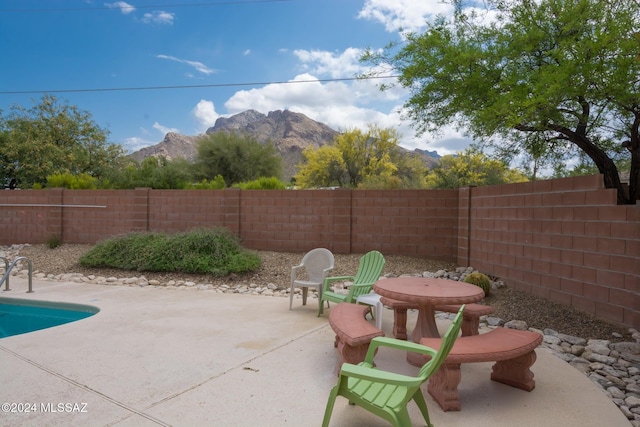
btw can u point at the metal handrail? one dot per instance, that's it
(8, 267)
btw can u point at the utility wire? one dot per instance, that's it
(132, 7)
(140, 88)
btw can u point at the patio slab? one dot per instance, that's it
(165, 357)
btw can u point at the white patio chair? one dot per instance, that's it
(311, 273)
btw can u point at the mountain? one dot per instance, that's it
(290, 133)
(173, 146)
(430, 158)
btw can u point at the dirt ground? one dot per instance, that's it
(276, 268)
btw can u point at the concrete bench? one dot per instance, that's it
(470, 322)
(511, 349)
(471, 316)
(353, 332)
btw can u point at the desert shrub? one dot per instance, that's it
(263, 183)
(481, 280)
(201, 251)
(215, 184)
(82, 181)
(54, 241)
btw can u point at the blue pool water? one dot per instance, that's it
(19, 316)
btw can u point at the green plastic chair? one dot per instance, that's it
(384, 393)
(369, 271)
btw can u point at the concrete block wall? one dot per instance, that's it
(171, 211)
(565, 240)
(418, 223)
(296, 221)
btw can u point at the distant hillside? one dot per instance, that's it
(173, 146)
(290, 133)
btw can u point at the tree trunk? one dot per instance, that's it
(605, 164)
(634, 148)
(634, 173)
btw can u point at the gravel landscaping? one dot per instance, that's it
(276, 269)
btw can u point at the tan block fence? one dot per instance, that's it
(565, 240)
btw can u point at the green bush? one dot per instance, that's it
(215, 184)
(480, 280)
(202, 251)
(263, 183)
(54, 241)
(83, 181)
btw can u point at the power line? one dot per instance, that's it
(132, 8)
(202, 86)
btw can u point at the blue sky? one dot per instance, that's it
(222, 46)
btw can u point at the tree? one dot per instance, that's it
(565, 70)
(152, 172)
(237, 158)
(471, 168)
(323, 167)
(358, 159)
(51, 138)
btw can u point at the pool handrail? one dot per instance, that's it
(8, 267)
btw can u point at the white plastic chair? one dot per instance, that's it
(315, 264)
(373, 300)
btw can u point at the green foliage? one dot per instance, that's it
(237, 158)
(215, 184)
(212, 251)
(324, 167)
(152, 172)
(471, 168)
(358, 159)
(53, 138)
(480, 280)
(264, 183)
(565, 71)
(84, 181)
(53, 242)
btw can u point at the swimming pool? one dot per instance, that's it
(19, 316)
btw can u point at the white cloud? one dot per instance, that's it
(342, 105)
(334, 103)
(135, 143)
(205, 114)
(124, 7)
(158, 17)
(345, 104)
(198, 66)
(345, 64)
(163, 129)
(246, 52)
(408, 15)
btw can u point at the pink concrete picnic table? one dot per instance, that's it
(427, 293)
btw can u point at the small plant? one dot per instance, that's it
(480, 280)
(54, 241)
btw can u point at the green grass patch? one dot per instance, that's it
(212, 251)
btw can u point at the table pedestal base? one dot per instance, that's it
(425, 327)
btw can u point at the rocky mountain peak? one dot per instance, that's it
(174, 145)
(238, 122)
(290, 132)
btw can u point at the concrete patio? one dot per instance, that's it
(198, 358)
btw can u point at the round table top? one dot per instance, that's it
(428, 290)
